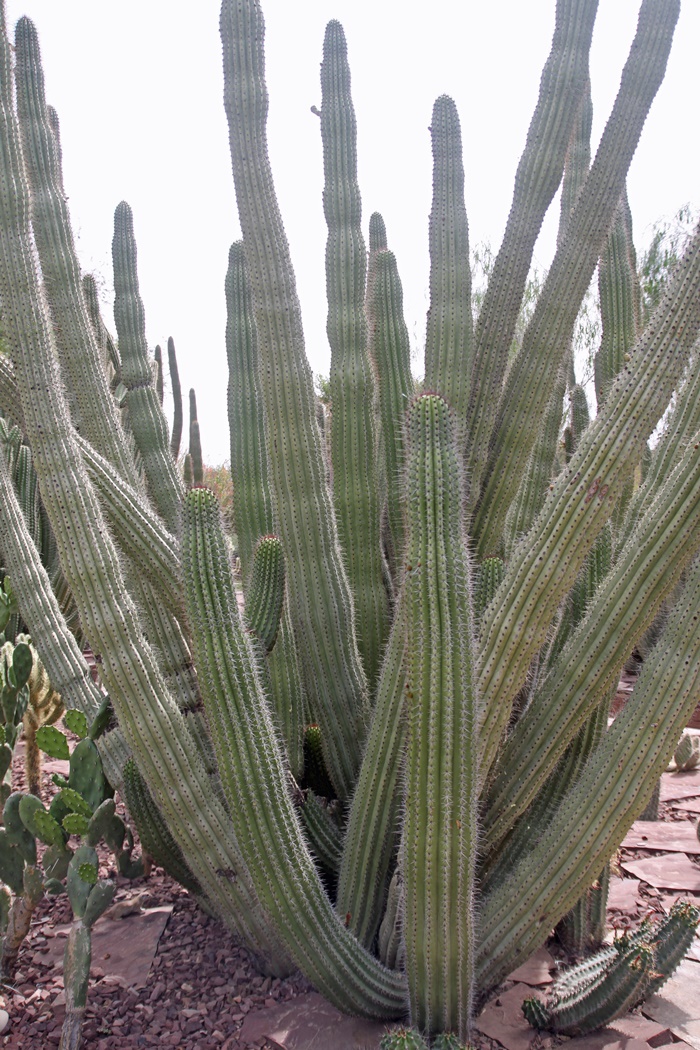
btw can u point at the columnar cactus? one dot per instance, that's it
(313, 768)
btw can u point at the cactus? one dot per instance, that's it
(377, 646)
(687, 754)
(403, 1039)
(606, 985)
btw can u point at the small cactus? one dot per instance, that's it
(403, 1039)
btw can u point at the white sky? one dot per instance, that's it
(138, 90)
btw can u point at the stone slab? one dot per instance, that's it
(677, 1005)
(502, 1019)
(623, 895)
(124, 948)
(672, 871)
(680, 785)
(536, 971)
(637, 1026)
(310, 1023)
(674, 836)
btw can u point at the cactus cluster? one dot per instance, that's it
(438, 595)
(617, 978)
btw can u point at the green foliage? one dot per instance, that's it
(76, 722)
(53, 742)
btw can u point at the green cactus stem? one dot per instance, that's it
(562, 86)
(609, 996)
(320, 601)
(91, 401)
(265, 597)
(370, 841)
(525, 392)
(391, 353)
(403, 1039)
(253, 511)
(195, 443)
(158, 364)
(252, 771)
(176, 391)
(154, 835)
(439, 833)
(581, 500)
(353, 428)
(77, 957)
(146, 417)
(449, 338)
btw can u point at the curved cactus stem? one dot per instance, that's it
(599, 809)
(618, 288)
(321, 605)
(370, 841)
(449, 339)
(440, 827)
(146, 418)
(253, 773)
(176, 391)
(391, 353)
(526, 390)
(680, 429)
(544, 566)
(152, 725)
(265, 596)
(195, 443)
(154, 835)
(325, 835)
(564, 80)
(91, 400)
(253, 505)
(588, 666)
(138, 530)
(40, 610)
(158, 380)
(352, 388)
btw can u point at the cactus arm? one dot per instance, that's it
(439, 832)
(176, 390)
(391, 353)
(544, 566)
(540, 470)
(39, 609)
(253, 773)
(154, 835)
(680, 428)
(253, 505)
(646, 571)
(321, 605)
(195, 443)
(600, 808)
(449, 338)
(81, 360)
(153, 727)
(266, 592)
(563, 82)
(138, 530)
(527, 388)
(325, 836)
(353, 429)
(609, 996)
(104, 339)
(9, 396)
(618, 288)
(146, 417)
(371, 831)
(158, 362)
